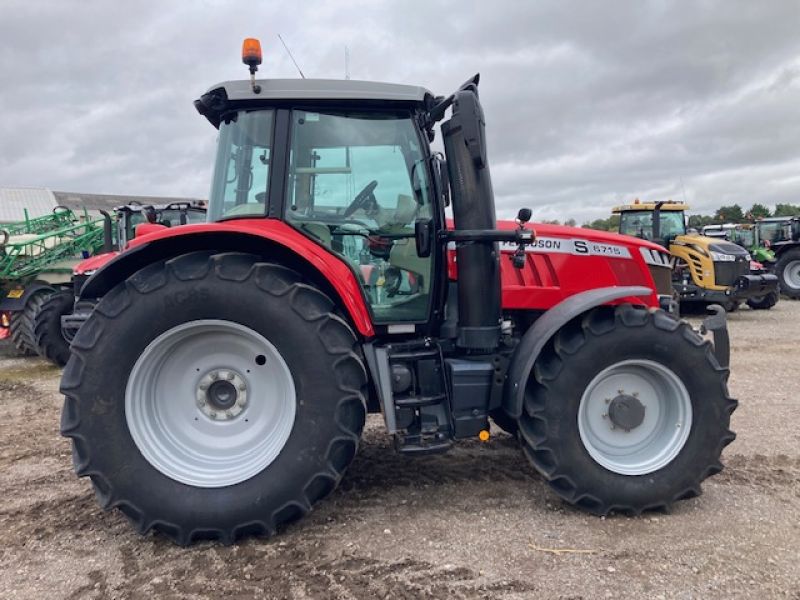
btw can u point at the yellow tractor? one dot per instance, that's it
(704, 269)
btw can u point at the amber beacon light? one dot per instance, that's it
(251, 56)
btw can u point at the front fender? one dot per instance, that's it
(545, 328)
(272, 239)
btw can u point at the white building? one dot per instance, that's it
(14, 201)
(41, 201)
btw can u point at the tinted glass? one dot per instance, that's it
(241, 172)
(357, 183)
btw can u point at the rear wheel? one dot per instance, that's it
(213, 397)
(763, 302)
(788, 271)
(731, 306)
(626, 410)
(51, 342)
(22, 322)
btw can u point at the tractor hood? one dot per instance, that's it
(594, 235)
(564, 261)
(709, 245)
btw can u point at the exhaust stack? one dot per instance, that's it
(479, 311)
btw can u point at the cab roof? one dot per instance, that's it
(649, 206)
(322, 89)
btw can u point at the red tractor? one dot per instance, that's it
(220, 386)
(58, 318)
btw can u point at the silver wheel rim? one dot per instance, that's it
(791, 274)
(210, 403)
(663, 431)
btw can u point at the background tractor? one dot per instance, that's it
(705, 269)
(36, 259)
(781, 235)
(220, 386)
(56, 319)
(762, 255)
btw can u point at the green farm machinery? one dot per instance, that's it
(773, 242)
(36, 258)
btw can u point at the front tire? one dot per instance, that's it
(788, 271)
(626, 410)
(139, 398)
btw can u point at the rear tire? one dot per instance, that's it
(570, 437)
(22, 322)
(788, 271)
(50, 340)
(764, 302)
(122, 380)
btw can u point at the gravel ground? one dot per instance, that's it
(474, 523)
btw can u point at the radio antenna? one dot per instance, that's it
(289, 52)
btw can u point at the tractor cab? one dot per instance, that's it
(659, 222)
(354, 178)
(130, 216)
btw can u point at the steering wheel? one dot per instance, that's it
(362, 199)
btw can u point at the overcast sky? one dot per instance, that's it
(587, 103)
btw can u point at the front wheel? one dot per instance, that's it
(764, 302)
(213, 397)
(626, 410)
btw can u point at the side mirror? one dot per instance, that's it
(423, 236)
(524, 215)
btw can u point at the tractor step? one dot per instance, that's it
(413, 401)
(418, 445)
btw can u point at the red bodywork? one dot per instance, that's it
(566, 261)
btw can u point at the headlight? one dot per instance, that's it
(720, 257)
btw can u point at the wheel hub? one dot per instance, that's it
(792, 274)
(626, 411)
(635, 416)
(221, 394)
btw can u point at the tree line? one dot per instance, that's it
(724, 214)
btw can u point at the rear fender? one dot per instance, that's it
(12, 304)
(277, 243)
(545, 328)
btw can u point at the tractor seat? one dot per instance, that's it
(318, 230)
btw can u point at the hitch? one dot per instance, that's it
(716, 323)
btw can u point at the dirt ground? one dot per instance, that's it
(474, 523)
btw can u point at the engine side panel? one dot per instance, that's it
(565, 261)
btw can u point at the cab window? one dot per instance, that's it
(357, 184)
(241, 172)
(640, 224)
